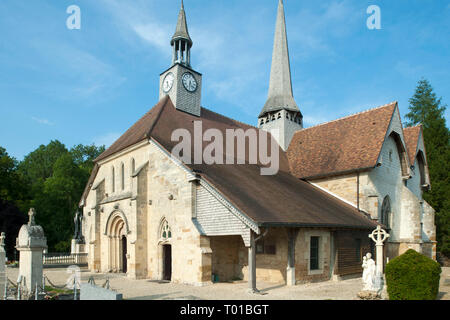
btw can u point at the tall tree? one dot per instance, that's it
(13, 194)
(428, 110)
(57, 177)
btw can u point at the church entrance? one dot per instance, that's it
(117, 246)
(124, 254)
(167, 264)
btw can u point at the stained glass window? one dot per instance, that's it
(166, 233)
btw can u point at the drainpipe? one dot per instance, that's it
(357, 189)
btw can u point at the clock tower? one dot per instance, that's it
(180, 81)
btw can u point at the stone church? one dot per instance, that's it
(152, 216)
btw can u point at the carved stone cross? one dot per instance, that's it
(379, 236)
(31, 214)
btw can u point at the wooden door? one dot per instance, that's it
(124, 254)
(167, 256)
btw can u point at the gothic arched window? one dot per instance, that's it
(421, 163)
(122, 176)
(165, 233)
(113, 180)
(386, 212)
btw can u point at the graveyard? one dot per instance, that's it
(34, 278)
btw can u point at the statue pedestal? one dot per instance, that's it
(77, 247)
(369, 295)
(31, 243)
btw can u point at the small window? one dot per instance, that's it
(113, 180)
(260, 247)
(166, 232)
(122, 176)
(265, 248)
(314, 254)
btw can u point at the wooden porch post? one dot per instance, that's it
(290, 272)
(252, 264)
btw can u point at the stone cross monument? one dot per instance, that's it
(3, 280)
(379, 236)
(31, 243)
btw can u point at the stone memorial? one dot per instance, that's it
(78, 243)
(373, 273)
(31, 243)
(90, 291)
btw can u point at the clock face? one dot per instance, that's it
(189, 82)
(168, 82)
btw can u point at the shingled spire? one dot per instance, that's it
(181, 41)
(280, 111)
(280, 87)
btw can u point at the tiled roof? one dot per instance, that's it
(411, 135)
(343, 145)
(281, 199)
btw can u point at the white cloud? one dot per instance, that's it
(42, 121)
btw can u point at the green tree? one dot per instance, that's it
(428, 110)
(38, 165)
(84, 156)
(57, 178)
(13, 187)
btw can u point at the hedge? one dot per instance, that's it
(412, 276)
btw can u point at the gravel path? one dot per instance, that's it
(153, 290)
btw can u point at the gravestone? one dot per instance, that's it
(31, 243)
(3, 280)
(90, 291)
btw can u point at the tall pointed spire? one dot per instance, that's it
(280, 88)
(181, 32)
(181, 41)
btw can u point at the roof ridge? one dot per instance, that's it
(234, 120)
(414, 127)
(351, 115)
(158, 115)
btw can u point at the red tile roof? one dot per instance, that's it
(411, 135)
(340, 146)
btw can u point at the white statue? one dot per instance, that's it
(369, 273)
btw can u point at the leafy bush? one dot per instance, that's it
(412, 276)
(63, 246)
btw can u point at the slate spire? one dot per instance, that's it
(280, 87)
(181, 32)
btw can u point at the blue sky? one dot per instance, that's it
(90, 85)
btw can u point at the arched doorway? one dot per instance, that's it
(165, 256)
(117, 231)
